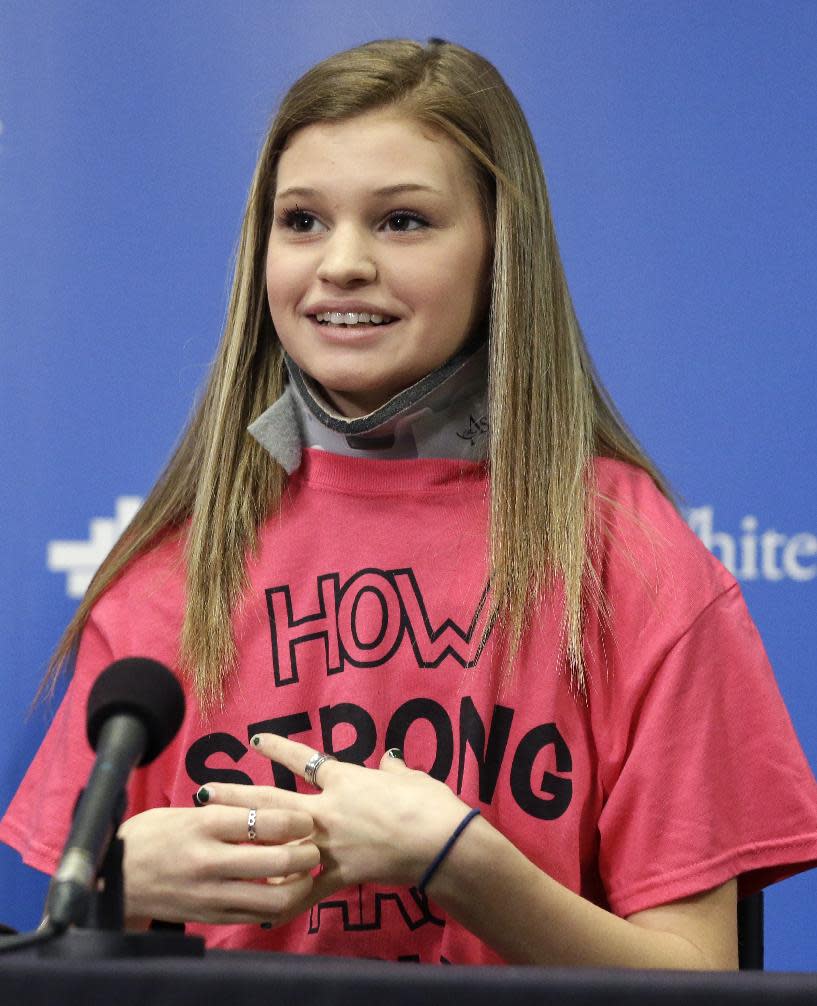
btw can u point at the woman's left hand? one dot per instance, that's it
(382, 825)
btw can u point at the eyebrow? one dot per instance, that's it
(386, 190)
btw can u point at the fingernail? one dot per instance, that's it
(266, 925)
(255, 741)
(395, 753)
(203, 795)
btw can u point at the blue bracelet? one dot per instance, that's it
(449, 845)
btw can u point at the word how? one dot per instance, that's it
(363, 622)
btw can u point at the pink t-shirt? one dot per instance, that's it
(360, 632)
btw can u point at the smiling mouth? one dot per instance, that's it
(368, 323)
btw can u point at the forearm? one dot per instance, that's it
(385, 826)
(495, 892)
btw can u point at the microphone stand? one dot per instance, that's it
(103, 934)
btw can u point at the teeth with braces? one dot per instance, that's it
(353, 318)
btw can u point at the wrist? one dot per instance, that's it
(440, 858)
(456, 878)
(419, 832)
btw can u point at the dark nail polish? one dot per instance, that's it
(266, 925)
(255, 741)
(203, 795)
(395, 753)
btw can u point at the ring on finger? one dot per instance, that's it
(312, 766)
(251, 818)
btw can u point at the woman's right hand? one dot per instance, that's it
(198, 865)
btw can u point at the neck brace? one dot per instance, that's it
(443, 415)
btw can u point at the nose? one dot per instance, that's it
(348, 257)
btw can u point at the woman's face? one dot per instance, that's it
(380, 215)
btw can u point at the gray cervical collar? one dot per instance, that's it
(443, 415)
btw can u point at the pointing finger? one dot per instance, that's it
(393, 761)
(295, 756)
(262, 798)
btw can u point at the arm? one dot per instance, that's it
(387, 825)
(529, 918)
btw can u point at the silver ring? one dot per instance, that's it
(251, 833)
(312, 766)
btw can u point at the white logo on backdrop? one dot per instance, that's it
(79, 560)
(752, 554)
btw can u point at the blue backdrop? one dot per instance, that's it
(680, 143)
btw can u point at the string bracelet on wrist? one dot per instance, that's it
(425, 880)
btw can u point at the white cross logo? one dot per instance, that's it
(79, 560)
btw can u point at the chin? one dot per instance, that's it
(358, 401)
(354, 382)
(362, 397)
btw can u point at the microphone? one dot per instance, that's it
(135, 709)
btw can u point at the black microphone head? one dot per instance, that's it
(143, 688)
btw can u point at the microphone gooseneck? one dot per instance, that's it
(135, 709)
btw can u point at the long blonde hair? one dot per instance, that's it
(549, 414)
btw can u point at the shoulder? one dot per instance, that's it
(657, 579)
(159, 568)
(146, 601)
(642, 537)
(626, 495)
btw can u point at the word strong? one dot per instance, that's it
(363, 622)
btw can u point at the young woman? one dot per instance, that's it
(436, 576)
